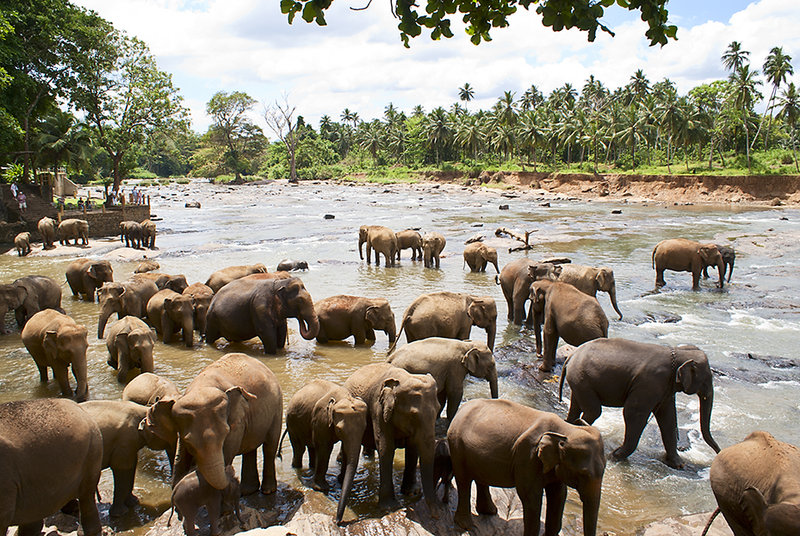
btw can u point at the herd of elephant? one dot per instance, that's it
(234, 405)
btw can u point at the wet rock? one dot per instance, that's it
(474, 238)
(691, 525)
(503, 207)
(769, 360)
(657, 318)
(192, 204)
(617, 211)
(329, 216)
(544, 204)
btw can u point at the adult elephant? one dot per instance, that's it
(381, 239)
(130, 345)
(642, 379)
(728, 259)
(47, 229)
(220, 278)
(589, 280)
(402, 414)
(148, 388)
(73, 228)
(149, 234)
(126, 298)
(164, 281)
(269, 275)
(450, 315)
(245, 309)
(234, 406)
(477, 255)
(682, 255)
(51, 453)
(201, 295)
(27, 296)
(170, 312)
(504, 444)
(515, 280)
(448, 361)
(56, 341)
(342, 316)
(432, 246)
(130, 232)
(757, 486)
(566, 313)
(410, 239)
(119, 421)
(319, 415)
(85, 276)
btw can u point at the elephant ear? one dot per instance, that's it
(22, 293)
(238, 398)
(470, 361)
(159, 414)
(603, 279)
(708, 252)
(121, 339)
(754, 506)
(476, 311)
(549, 450)
(686, 377)
(386, 399)
(371, 315)
(50, 343)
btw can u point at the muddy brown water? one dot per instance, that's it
(749, 330)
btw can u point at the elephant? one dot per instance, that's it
(148, 388)
(381, 239)
(124, 298)
(173, 282)
(149, 234)
(449, 314)
(130, 232)
(193, 492)
(85, 276)
(246, 309)
(169, 312)
(442, 468)
(51, 453)
(757, 486)
(220, 278)
(319, 415)
(288, 265)
(477, 255)
(566, 313)
(342, 316)
(402, 414)
(682, 255)
(130, 345)
(232, 407)
(118, 421)
(448, 361)
(410, 239)
(504, 444)
(73, 228)
(641, 378)
(55, 340)
(47, 228)
(23, 243)
(27, 296)
(147, 265)
(515, 280)
(728, 258)
(201, 295)
(432, 246)
(589, 280)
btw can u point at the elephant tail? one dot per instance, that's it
(280, 445)
(397, 339)
(714, 514)
(497, 279)
(653, 259)
(561, 379)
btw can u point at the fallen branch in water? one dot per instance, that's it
(516, 235)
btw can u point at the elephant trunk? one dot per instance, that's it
(188, 330)
(721, 268)
(590, 497)
(494, 263)
(79, 370)
(706, 404)
(347, 482)
(730, 272)
(491, 333)
(309, 325)
(391, 332)
(105, 313)
(360, 251)
(214, 471)
(612, 293)
(492, 377)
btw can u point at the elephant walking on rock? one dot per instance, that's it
(73, 228)
(342, 316)
(47, 228)
(682, 255)
(642, 379)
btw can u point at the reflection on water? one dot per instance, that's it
(757, 314)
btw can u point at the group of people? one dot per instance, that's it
(20, 196)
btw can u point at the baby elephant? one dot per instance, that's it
(130, 345)
(23, 243)
(443, 468)
(288, 265)
(193, 491)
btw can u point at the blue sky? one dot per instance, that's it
(358, 61)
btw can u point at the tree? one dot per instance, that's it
(280, 120)
(734, 57)
(480, 16)
(231, 124)
(744, 84)
(777, 67)
(789, 103)
(466, 93)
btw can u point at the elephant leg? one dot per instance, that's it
(369, 334)
(437, 262)
(530, 494)
(408, 487)
(214, 507)
(556, 497)
(62, 377)
(550, 344)
(360, 335)
(298, 449)
(43, 375)
(123, 491)
(463, 515)
(249, 473)
(454, 400)
(113, 357)
(696, 279)
(635, 420)
(282, 330)
(483, 500)
(386, 498)
(124, 367)
(20, 316)
(322, 337)
(660, 277)
(322, 457)
(31, 529)
(269, 481)
(188, 523)
(90, 517)
(587, 407)
(667, 420)
(269, 335)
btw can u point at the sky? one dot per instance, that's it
(358, 62)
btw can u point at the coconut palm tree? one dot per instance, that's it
(370, 138)
(438, 132)
(777, 68)
(531, 98)
(671, 120)
(417, 111)
(505, 109)
(789, 110)
(734, 57)
(530, 134)
(466, 93)
(470, 134)
(62, 140)
(639, 85)
(745, 94)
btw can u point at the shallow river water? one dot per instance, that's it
(750, 330)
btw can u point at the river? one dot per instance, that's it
(749, 330)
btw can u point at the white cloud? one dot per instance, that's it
(358, 61)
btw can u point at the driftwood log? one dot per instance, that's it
(516, 235)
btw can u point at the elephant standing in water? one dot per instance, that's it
(642, 379)
(125, 298)
(515, 280)
(86, 276)
(130, 345)
(477, 255)
(589, 280)
(681, 255)
(27, 296)
(432, 246)
(148, 388)
(220, 278)
(381, 239)
(201, 295)
(728, 259)
(410, 239)
(342, 316)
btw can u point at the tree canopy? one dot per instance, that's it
(481, 16)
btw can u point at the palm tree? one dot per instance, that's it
(470, 134)
(347, 115)
(672, 120)
(417, 110)
(505, 110)
(745, 94)
(777, 68)
(437, 129)
(62, 140)
(466, 93)
(639, 85)
(734, 57)
(789, 104)
(531, 98)
(632, 130)
(370, 138)
(529, 133)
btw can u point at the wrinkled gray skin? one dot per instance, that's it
(402, 414)
(381, 239)
(320, 415)
(342, 316)
(148, 388)
(432, 246)
(59, 433)
(477, 255)
(148, 234)
(410, 239)
(443, 469)
(504, 444)
(682, 255)
(130, 232)
(448, 361)
(47, 228)
(124, 298)
(728, 259)
(642, 379)
(288, 265)
(757, 486)
(589, 280)
(515, 280)
(118, 421)
(170, 312)
(130, 345)
(73, 228)
(202, 296)
(220, 278)
(193, 492)
(147, 265)
(23, 243)
(27, 296)
(172, 282)
(86, 276)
